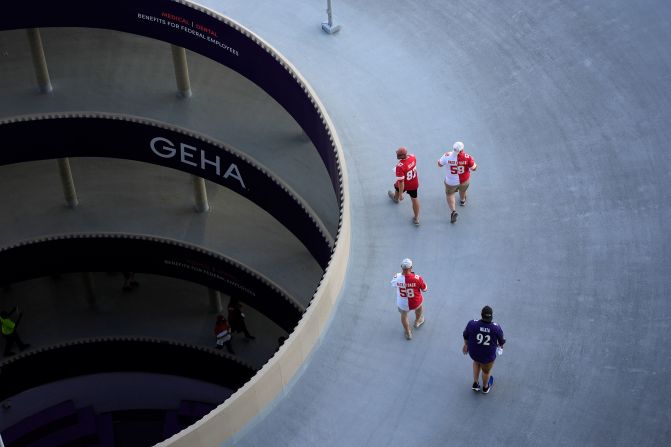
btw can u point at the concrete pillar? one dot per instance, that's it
(89, 285)
(181, 71)
(67, 182)
(39, 61)
(202, 205)
(216, 301)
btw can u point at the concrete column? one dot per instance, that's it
(89, 285)
(181, 71)
(39, 61)
(67, 182)
(202, 205)
(216, 301)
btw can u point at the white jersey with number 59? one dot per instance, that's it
(449, 160)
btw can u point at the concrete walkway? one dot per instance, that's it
(565, 107)
(57, 309)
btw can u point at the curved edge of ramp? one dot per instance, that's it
(272, 379)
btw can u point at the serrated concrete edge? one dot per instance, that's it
(271, 381)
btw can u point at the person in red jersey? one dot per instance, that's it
(406, 181)
(409, 288)
(458, 165)
(222, 331)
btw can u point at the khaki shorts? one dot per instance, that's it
(449, 189)
(406, 311)
(486, 367)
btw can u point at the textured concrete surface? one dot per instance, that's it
(565, 107)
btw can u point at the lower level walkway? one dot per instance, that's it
(57, 309)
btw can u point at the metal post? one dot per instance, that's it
(216, 303)
(39, 61)
(328, 26)
(181, 71)
(68, 183)
(202, 205)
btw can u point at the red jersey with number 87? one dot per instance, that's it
(406, 170)
(408, 290)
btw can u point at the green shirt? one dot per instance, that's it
(7, 326)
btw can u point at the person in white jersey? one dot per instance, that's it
(458, 166)
(409, 288)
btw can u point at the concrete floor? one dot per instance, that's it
(57, 310)
(565, 107)
(139, 198)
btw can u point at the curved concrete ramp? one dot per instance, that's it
(566, 108)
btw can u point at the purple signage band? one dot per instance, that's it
(201, 31)
(115, 136)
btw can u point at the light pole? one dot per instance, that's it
(329, 27)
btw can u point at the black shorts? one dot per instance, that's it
(411, 192)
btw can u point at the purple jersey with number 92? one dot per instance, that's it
(483, 338)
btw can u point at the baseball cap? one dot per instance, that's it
(406, 263)
(458, 146)
(487, 313)
(401, 152)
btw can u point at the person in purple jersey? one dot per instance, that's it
(481, 339)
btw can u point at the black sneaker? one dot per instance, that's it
(475, 387)
(462, 203)
(453, 217)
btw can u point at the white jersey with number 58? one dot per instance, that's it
(449, 160)
(409, 290)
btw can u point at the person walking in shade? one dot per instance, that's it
(236, 318)
(222, 331)
(10, 331)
